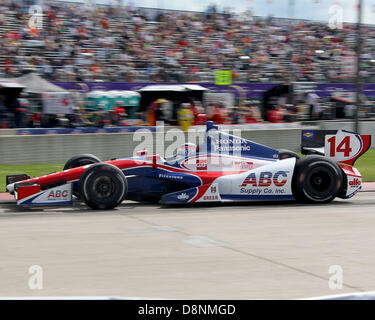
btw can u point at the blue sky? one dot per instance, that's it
(303, 9)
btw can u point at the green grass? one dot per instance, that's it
(32, 169)
(365, 164)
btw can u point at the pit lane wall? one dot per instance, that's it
(58, 148)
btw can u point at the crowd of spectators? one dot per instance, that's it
(128, 44)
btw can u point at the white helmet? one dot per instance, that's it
(187, 149)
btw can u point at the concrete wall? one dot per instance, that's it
(59, 148)
(8, 132)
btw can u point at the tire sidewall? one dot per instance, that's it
(78, 161)
(302, 188)
(102, 170)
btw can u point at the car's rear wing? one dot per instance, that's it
(338, 145)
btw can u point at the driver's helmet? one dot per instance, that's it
(187, 149)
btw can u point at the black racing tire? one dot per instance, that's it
(81, 160)
(103, 186)
(285, 154)
(78, 161)
(316, 180)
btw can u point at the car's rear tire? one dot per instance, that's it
(103, 186)
(316, 180)
(285, 154)
(81, 160)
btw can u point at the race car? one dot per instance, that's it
(223, 168)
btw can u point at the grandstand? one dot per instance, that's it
(149, 45)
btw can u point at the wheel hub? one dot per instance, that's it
(103, 187)
(318, 181)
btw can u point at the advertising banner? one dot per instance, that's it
(253, 90)
(226, 99)
(57, 103)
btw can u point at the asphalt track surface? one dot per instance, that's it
(256, 251)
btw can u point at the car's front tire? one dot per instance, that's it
(103, 186)
(317, 180)
(78, 161)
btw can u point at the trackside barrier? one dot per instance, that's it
(127, 129)
(58, 148)
(8, 132)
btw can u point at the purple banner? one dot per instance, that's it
(252, 90)
(327, 89)
(82, 130)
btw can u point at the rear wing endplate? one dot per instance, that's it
(338, 145)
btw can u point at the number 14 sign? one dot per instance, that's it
(343, 146)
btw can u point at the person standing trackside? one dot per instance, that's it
(19, 110)
(3, 114)
(185, 117)
(312, 100)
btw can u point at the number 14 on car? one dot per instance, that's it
(343, 146)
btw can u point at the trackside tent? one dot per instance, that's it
(36, 84)
(55, 99)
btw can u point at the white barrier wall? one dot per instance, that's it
(59, 148)
(8, 132)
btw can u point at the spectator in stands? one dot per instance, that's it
(2, 19)
(121, 44)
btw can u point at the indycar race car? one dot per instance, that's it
(223, 168)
